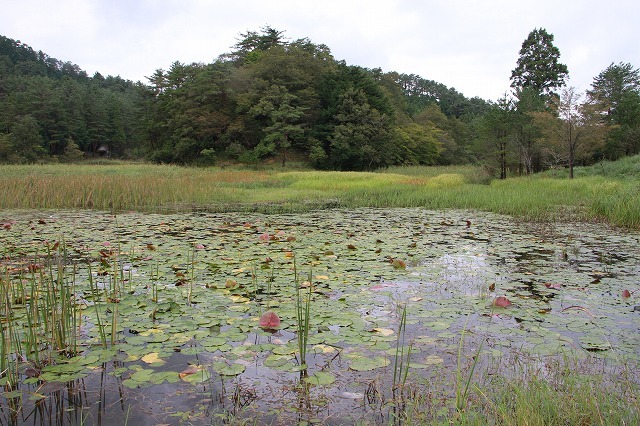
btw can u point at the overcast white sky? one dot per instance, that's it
(466, 44)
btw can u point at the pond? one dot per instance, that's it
(159, 319)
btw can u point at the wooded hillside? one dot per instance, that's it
(274, 98)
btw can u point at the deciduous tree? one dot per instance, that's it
(573, 134)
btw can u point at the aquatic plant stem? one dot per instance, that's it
(401, 360)
(461, 395)
(303, 307)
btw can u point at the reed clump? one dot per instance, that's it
(605, 192)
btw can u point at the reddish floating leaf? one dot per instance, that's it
(553, 285)
(264, 237)
(502, 302)
(399, 264)
(200, 246)
(269, 320)
(626, 294)
(192, 369)
(382, 286)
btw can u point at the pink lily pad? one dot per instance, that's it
(502, 302)
(269, 320)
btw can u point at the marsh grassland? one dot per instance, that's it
(164, 295)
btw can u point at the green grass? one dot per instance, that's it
(605, 192)
(559, 396)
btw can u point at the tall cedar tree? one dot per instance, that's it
(538, 66)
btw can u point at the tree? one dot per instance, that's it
(419, 144)
(26, 140)
(72, 153)
(252, 44)
(496, 134)
(538, 66)
(279, 106)
(615, 94)
(574, 133)
(452, 151)
(610, 86)
(360, 139)
(526, 135)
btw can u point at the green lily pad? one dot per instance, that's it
(363, 363)
(228, 369)
(320, 378)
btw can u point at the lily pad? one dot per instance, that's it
(320, 378)
(228, 369)
(363, 363)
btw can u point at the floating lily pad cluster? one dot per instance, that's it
(221, 289)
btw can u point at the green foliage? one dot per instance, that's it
(5, 148)
(279, 107)
(495, 140)
(26, 140)
(419, 145)
(272, 97)
(72, 153)
(615, 95)
(65, 103)
(358, 138)
(538, 66)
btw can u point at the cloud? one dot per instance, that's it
(470, 45)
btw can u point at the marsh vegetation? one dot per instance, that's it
(388, 289)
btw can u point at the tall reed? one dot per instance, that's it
(402, 358)
(303, 310)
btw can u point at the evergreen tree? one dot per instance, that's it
(615, 93)
(359, 140)
(26, 140)
(538, 66)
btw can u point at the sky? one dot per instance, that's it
(469, 45)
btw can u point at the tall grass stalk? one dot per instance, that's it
(155, 276)
(191, 257)
(463, 383)
(303, 310)
(9, 341)
(59, 310)
(114, 299)
(93, 285)
(401, 359)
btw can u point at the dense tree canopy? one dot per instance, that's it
(615, 95)
(274, 98)
(60, 105)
